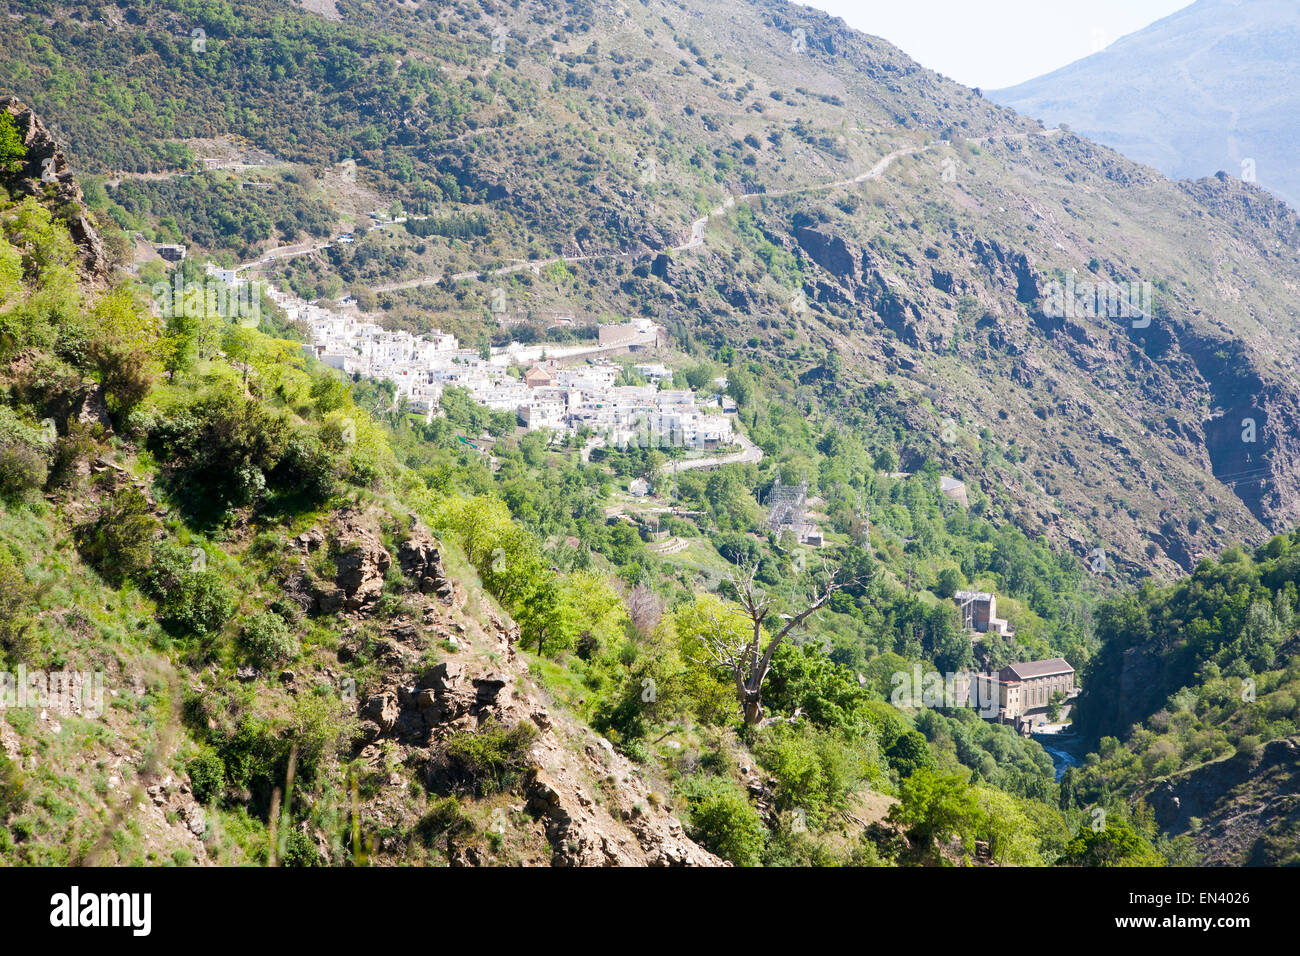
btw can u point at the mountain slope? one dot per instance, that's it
(1209, 88)
(601, 135)
(1194, 696)
(150, 715)
(865, 250)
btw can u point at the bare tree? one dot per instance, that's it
(645, 608)
(744, 655)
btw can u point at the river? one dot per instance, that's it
(1062, 748)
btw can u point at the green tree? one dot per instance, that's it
(1054, 706)
(12, 152)
(949, 583)
(1114, 844)
(937, 807)
(724, 821)
(180, 343)
(908, 753)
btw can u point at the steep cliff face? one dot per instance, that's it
(1240, 811)
(1128, 689)
(46, 175)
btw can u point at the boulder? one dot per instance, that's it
(383, 709)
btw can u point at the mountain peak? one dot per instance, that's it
(1208, 88)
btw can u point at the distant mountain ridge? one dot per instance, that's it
(1210, 88)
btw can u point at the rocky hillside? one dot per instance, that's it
(44, 173)
(896, 276)
(407, 719)
(1205, 89)
(1241, 811)
(579, 803)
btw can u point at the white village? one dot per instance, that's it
(563, 388)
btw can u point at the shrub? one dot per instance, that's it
(723, 820)
(22, 469)
(207, 776)
(17, 637)
(191, 599)
(815, 771)
(220, 446)
(306, 468)
(125, 375)
(934, 807)
(71, 450)
(255, 756)
(118, 543)
(300, 850)
(445, 818)
(489, 760)
(267, 639)
(318, 726)
(13, 787)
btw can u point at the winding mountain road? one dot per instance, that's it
(749, 454)
(695, 240)
(696, 234)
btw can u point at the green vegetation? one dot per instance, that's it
(160, 536)
(488, 760)
(723, 820)
(1221, 676)
(262, 436)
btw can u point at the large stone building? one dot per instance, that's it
(1023, 692)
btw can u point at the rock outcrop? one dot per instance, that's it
(442, 671)
(361, 561)
(417, 707)
(421, 561)
(47, 176)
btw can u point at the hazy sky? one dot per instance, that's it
(996, 43)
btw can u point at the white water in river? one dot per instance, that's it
(1060, 748)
